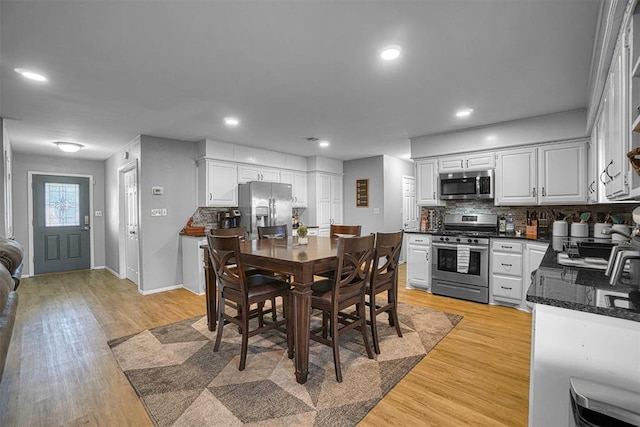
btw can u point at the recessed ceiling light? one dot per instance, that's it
(69, 147)
(323, 143)
(390, 53)
(30, 75)
(231, 121)
(464, 113)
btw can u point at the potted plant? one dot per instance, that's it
(302, 235)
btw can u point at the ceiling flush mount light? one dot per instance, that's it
(323, 143)
(390, 53)
(231, 121)
(464, 113)
(30, 75)
(69, 147)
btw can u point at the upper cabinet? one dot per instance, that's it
(217, 183)
(549, 174)
(248, 173)
(325, 191)
(467, 162)
(298, 181)
(427, 183)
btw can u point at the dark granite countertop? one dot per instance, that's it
(581, 289)
(545, 239)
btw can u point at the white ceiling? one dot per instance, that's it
(287, 69)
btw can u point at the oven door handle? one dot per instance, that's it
(454, 246)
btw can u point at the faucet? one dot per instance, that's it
(610, 231)
(621, 258)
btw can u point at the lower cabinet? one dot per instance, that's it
(193, 264)
(512, 263)
(419, 261)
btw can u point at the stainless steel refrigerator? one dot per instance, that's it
(264, 204)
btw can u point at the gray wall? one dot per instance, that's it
(166, 163)
(385, 192)
(23, 163)
(552, 127)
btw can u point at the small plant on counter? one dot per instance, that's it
(302, 231)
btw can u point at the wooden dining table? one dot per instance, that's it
(286, 256)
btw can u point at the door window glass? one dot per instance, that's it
(62, 205)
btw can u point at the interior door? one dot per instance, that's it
(61, 229)
(131, 218)
(409, 206)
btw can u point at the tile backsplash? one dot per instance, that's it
(598, 212)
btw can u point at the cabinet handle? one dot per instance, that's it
(534, 191)
(543, 192)
(418, 240)
(507, 247)
(602, 180)
(607, 170)
(467, 164)
(434, 195)
(504, 287)
(426, 256)
(506, 265)
(210, 196)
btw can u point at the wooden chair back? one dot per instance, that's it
(277, 231)
(227, 264)
(384, 273)
(354, 267)
(354, 230)
(238, 231)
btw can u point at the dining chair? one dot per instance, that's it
(239, 291)
(384, 278)
(238, 231)
(346, 289)
(353, 230)
(272, 231)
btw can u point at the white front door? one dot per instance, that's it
(131, 224)
(409, 206)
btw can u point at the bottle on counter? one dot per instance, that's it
(423, 224)
(510, 226)
(502, 225)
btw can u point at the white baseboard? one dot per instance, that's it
(155, 291)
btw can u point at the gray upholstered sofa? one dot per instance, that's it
(10, 270)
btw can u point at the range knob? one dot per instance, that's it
(446, 239)
(441, 239)
(475, 240)
(458, 239)
(469, 240)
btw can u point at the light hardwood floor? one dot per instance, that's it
(60, 370)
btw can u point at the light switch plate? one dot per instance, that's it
(376, 211)
(157, 191)
(156, 212)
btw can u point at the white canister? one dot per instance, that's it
(598, 229)
(579, 229)
(623, 228)
(560, 228)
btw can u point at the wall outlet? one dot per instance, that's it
(376, 211)
(98, 213)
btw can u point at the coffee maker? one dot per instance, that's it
(235, 218)
(229, 219)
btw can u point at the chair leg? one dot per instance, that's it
(260, 314)
(335, 344)
(245, 339)
(374, 323)
(393, 314)
(325, 322)
(274, 315)
(221, 305)
(363, 328)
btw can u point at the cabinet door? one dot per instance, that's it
(507, 264)
(248, 173)
(516, 177)
(507, 287)
(427, 183)
(269, 175)
(336, 199)
(562, 173)
(418, 266)
(300, 190)
(592, 166)
(615, 152)
(323, 202)
(222, 184)
(451, 164)
(480, 161)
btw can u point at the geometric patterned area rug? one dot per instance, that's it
(182, 382)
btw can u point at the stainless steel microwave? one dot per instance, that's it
(467, 185)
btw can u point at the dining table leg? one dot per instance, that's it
(302, 322)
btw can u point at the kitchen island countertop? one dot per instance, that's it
(581, 289)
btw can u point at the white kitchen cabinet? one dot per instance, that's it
(193, 264)
(616, 164)
(419, 261)
(326, 203)
(247, 173)
(467, 162)
(217, 183)
(545, 175)
(506, 284)
(562, 173)
(298, 181)
(592, 167)
(516, 176)
(427, 183)
(534, 253)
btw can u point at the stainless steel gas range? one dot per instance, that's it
(460, 261)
